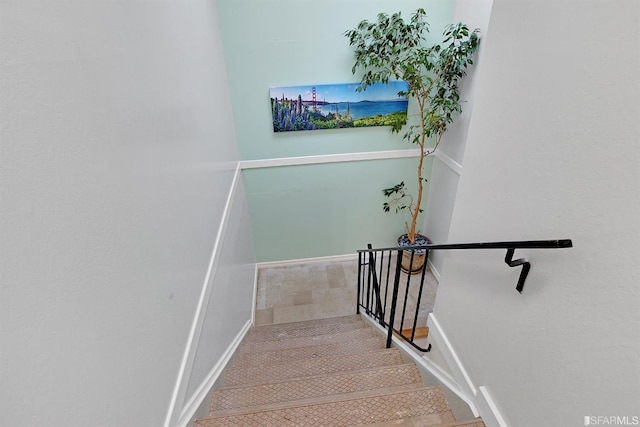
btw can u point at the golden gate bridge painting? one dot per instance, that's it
(335, 106)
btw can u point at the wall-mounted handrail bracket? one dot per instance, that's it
(526, 266)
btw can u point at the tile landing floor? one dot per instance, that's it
(317, 290)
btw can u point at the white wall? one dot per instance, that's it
(448, 162)
(117, 158)
(552, 153)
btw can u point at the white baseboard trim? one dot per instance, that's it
(434, 270)
(478, 399)
(178, 396)
(255, 296)
(438, 339)
(488, 410)
(317, 260)
(433, 369)
(202, 392)
(481, 401)
(449, 382)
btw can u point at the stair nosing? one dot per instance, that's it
(436, 389)
(276, 393)
(310, 377)
(271, 335)
(245, 359)
(390, 352)
(302, 324)
(465, 422)
(339, 338)
(419, 418)
(319, 400)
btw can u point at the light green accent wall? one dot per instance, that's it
(293, 42)
(326, 209)
(314, 210)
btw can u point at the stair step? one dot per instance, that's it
(309, 352)
(304, 329)
(373, 409)
(303, 368)
(470, 423)
(440, 419)
(314, 322)
(305, 341)
(421, 332)
(296, 392)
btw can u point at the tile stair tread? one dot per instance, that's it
(385, 358)
(289, 370)
(317, 400)
(298, 391)
(469, 423)
(440, 419)
(351, 318)
(350, 411)
(280, 356)
(324, 339)
(282, 334)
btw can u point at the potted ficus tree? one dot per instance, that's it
(392, 49)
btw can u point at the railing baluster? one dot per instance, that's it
(366, 298)
(386, 286)
(375, 288)
(368, 294)
(394, 299)
(415, 316)
(406, 291)
(380, 305)
(358, 300)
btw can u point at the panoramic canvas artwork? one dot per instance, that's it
(335, 106)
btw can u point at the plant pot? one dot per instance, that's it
(419, 255)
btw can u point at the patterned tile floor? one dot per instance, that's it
(343, 412)
(318, 290)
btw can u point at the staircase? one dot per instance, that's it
(329, 372)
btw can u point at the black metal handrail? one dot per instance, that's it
(377, 266)
(518, 244)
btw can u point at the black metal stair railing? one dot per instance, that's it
(376, 267)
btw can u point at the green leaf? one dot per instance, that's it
(392, 49)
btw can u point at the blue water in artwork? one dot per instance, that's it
(366, 108)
